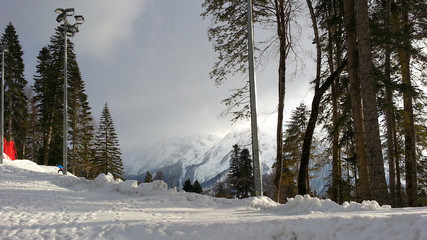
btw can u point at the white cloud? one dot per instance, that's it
(108, 25)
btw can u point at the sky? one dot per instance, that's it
(38, 203)
(149, 60)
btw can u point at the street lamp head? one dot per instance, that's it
(73, 28)
(5, 50)
(60, 17)
(63, 13)
(69, 11)
(59, 10)
(79, 19)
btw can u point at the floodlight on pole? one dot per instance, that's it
(79, 19)
(59, 10)
(68, 31)
(4, 50)
(69, 12)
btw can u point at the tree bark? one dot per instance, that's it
(355, 95)
(372, 133)
(389, 109)
(282, 31)
(408, 116)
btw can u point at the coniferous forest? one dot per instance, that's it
(34, 114)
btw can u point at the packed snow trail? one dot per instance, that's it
(38, 203)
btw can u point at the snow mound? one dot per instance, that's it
(146, 188)
(26, 164)
(107, 181)
(262, 203)
(308, 205)
(128, 187)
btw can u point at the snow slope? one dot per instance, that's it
(37, 203)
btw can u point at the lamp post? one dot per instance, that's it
(69, 31)
(254, 121)
(4, 50)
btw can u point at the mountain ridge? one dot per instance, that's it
(202, 158)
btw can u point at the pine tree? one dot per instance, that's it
(197, 187)
(292, 148)
(188, 187)
(108, 155)
(15, 112)
(48, 95)
(82, 129)
(148, 177)
(241, 173)
(233, 174)
(246, 177)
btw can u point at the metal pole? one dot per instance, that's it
(254, 121)
(2, 106)
(65, 131)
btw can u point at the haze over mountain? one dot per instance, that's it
(203, 158)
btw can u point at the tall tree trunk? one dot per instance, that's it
(368, 83)
(408, 122)
(389, 109)
(336, 174)
(318, 71)
(355, 95)
(308, 137)
(282, 19)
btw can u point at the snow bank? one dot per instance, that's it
(261, 203)
(128, 186)
(27, 164)
(44, 205)
(146, 188)
(307, 205)
(107, 181)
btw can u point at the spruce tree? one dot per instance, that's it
(246, 175)
(108, 155)
(82, 129)
(233, 174)
(197, 187)
(188, 187)
(48, 88)
(15, 100)
(241, 173)
(292, 148)
(48, 95)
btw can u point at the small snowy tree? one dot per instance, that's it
(108, 155)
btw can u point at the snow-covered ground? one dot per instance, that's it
(38, 203)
